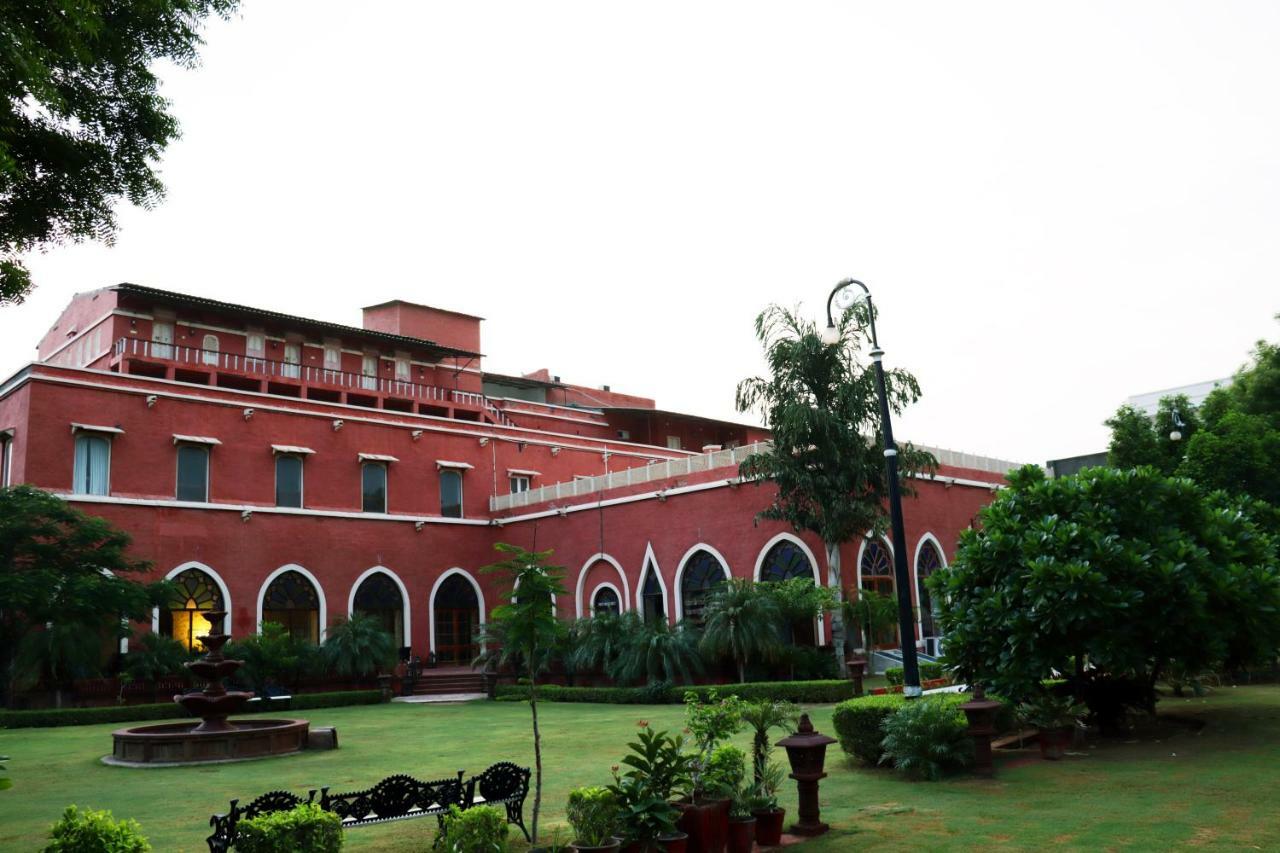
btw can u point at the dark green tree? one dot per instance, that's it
(358, 646)
(743, 622)
(274, 658)
(525, 632)
(1109, 577)
(151, 657)
(66, 584)
(84, 123)
(820, 402)
(1141, 439)
(655, 652)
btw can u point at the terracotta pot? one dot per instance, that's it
(706, 823)
(1054, 743)
(612, 847)
(769, 827)
(742, 834)
(675, 843)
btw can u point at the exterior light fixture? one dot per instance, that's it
(1176, 433)
(418, 525)
(248, 413)
(416, 434)
(337, 424)
(152, 399)
(555, 450)
(484, 441)
(246, 515)
(844, 296)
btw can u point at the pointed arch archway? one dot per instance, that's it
(375, 598)
(930, 557)
(218, 583)
(285, 586)
(652, 601)
(455, 616)
(582, 580)
(875, 573)
(786, 556)
(696, 576)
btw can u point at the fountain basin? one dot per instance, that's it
(170, 744)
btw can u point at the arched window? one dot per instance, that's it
(210, 349)
(928, 561)
(876, 569)
(605, 601)
(652, 606)
(182, 620)
(291, 600)
(457, 617)
(785, 560)
(379, 596)
(702, 574)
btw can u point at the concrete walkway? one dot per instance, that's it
(440, 697)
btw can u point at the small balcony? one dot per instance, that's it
(180, 363)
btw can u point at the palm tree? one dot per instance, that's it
(740, 620)
(358, 646)
(601, 639)
(655, 651)
(762, 716)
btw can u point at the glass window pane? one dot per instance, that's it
(193, 473)
(451, 494)
(288, 481)
(374, 487)
(92, 465)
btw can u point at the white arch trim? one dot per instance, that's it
(404, 596)
(813, 565)
(623, 597)
(217, 579)
(724, 564)
(915, 574)
(431, 603)
(622, 602)
(862, 547)
(649, 563)
(294, 567)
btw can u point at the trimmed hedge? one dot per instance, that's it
(807, 692)
(50, 717)
(858, 722)
(928, 672)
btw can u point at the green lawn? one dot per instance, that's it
(1218, 787)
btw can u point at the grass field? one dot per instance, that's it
(1173, 787)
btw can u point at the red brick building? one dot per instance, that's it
(298, 471)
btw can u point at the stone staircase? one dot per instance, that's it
(452, 680)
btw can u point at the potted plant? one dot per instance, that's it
(705, 813)
(657, 765)
(1055, 718)
(768, 814)
(742, 824)
(593, 813)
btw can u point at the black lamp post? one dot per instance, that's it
(844, 298)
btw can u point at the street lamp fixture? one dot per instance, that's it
(1176, 433)
(844, 297)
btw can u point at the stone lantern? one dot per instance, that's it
(807, 752)
(981, 713)
(857, 671)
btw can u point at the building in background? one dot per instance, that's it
(299, 471)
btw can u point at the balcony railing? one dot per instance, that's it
(301, 373)
(630, 477)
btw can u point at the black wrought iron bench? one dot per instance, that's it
(394, 798)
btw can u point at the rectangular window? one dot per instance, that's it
(255, 345)
(369, 372)
(673, 442)
(6, 444)
(92, 465)
(403, 369)
(288, 480)
(162, 339)
(332, 357)
(193, 473)
(292, 361)
(519, 483)
(451, 493)
(373, 487)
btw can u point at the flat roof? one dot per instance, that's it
(321, 326)
(421, 305)
(639, 410)
(519, 381)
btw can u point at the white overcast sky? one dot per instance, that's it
(1055, 205)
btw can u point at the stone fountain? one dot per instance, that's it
(214, 738)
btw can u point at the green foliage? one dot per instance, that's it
(1109, 576)
(656, 767)
(726, 770)
(709, 721)
(358, 646)
(656, 652)
(928, 672)
(772, 777)
(5, 782)
(1047, 711)
(54, 717)
(926, 738)
(84, 122)
(742, 622)
(306, 827)
(66, 583)
(273, 657)
(808, 692)
(858, 721)
(871, 613)
(643, 815)
(763, 716)
(600, 639)
(1140, 439)
(594, 814)
(479, 829)
(821, 404)
(154, 656)
(91, 831)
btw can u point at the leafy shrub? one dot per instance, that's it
(928, 672)
(926, 738)
(725, 771)
(858, 721)
(358, 646)
(806, 692)
(479, 829)
(274, 657)
(91, 831)
(306, 828)
(51, 717)
(594, 814)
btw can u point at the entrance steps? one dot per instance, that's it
(453, 680)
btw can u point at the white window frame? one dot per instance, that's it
(519, 483)
(674, 443)
(6, 457)
(209, 354)
(462, 505)
(292, 369)
(75, 478)
(302, 477)
(177, 465)
(386, 485)
(161, 348)
(368, 379)
(255, 344)
(404, 369)
(332, 356)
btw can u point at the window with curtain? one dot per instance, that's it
(92, 465)
(193, 473)
(519, 483)
(451, 493)
(210, 348)
(288, 480)
(373, 487)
